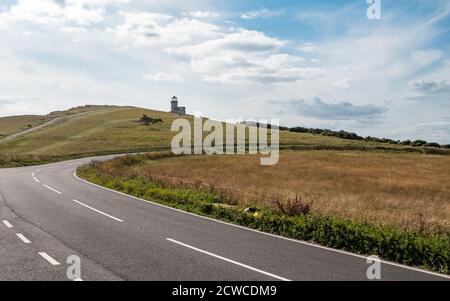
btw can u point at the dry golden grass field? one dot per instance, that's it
(407, 190)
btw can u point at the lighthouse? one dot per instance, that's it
(174, 108)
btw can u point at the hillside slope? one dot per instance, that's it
(112, 129)
(15, 125)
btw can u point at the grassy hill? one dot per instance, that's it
(111, 129)
(15, 124)
(107, 130)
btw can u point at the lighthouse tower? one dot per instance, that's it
(174, 105)
(174, 108)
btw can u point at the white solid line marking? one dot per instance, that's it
(34, 175)
(265, 233)
(48, 258)
(23, 238)
(7, 224)
(48, 187)
(98, 211)
(77, 279)
(228, 260)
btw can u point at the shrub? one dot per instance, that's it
(147, 120)
(418, 143)
(433, 144)
(293, 207)
(406, 142)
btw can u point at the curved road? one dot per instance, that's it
(47, 215)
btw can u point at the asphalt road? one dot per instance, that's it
(47, 215)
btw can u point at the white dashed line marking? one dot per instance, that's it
(48, 258)
(23, 238)
(7, 224)
(228, 260)
(98, 211)
(54, 190)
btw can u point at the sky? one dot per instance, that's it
(321, 64)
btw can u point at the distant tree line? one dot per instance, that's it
(353, 136)
(268, 125)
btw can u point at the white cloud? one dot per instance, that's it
(344, 83)
(422, 58)
(50, 12)
(260, 13)
(245, 56)
(199, 14)
(307, 47)
(163, 29)
(434, 131)
(166, 77)
(237, 42)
